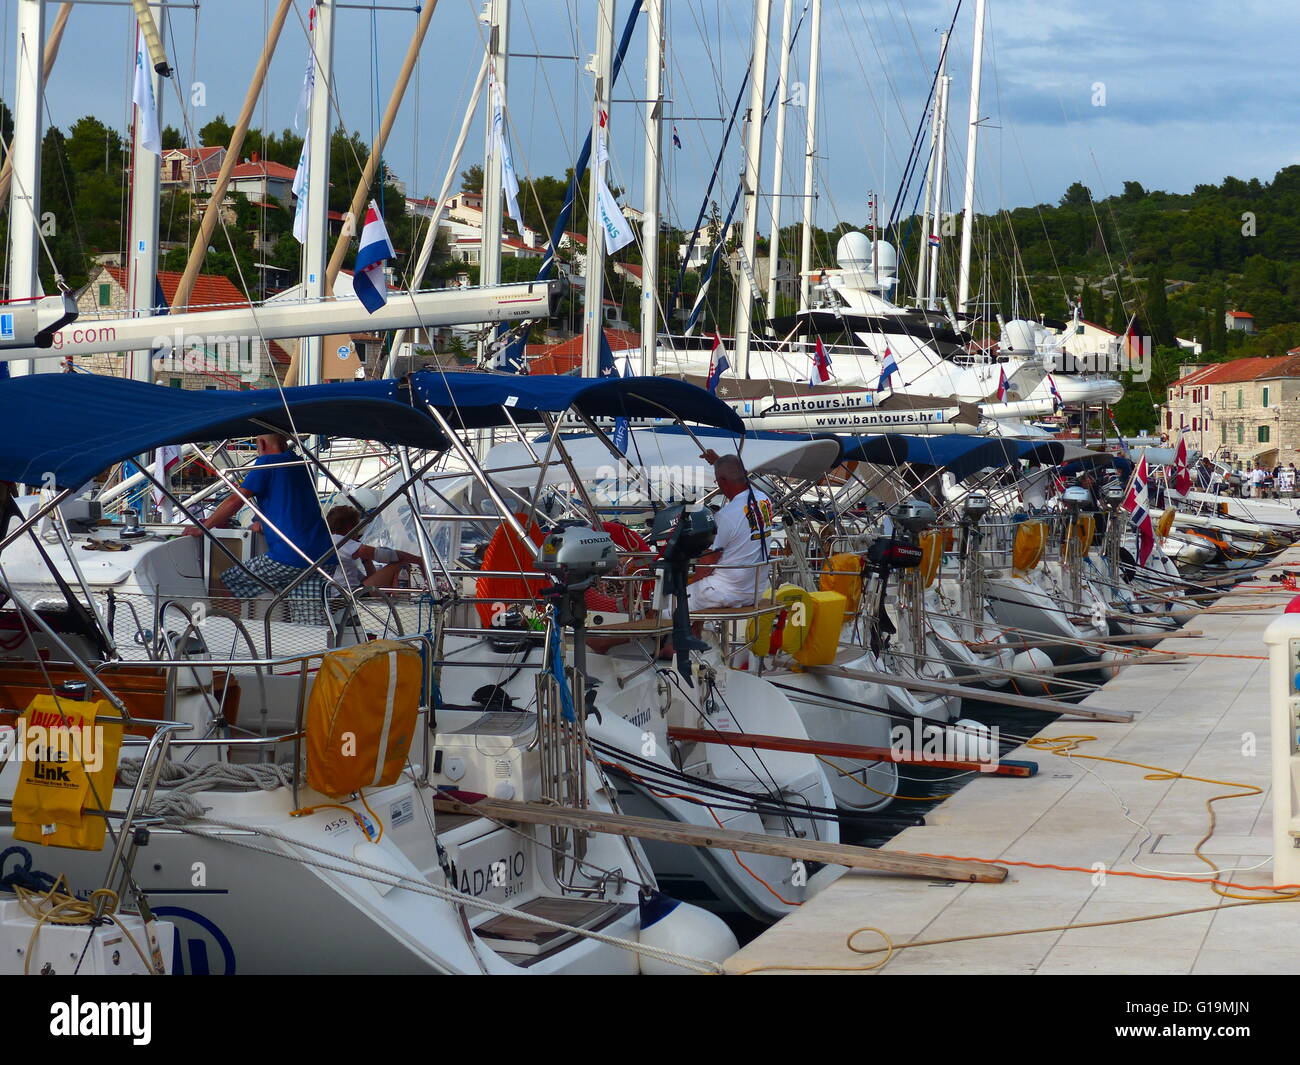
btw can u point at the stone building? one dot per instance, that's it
(1244, 410)
(225, 362)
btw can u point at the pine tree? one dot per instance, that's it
(1118, 317)
(1158, 324)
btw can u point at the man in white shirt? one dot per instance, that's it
(743, 540)
(358, 560)
(1257, 478)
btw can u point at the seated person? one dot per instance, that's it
(744, 532)
(358, 560)
(286, 495)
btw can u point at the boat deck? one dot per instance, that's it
(1206, 717)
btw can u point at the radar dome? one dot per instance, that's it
(853, 250)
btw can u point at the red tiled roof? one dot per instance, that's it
(1240, 314)
(567, 355)
(1222, 373)
(1101, 328)
(210, 290)
(426, 202)
(263, 168)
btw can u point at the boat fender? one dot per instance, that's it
(681, 928)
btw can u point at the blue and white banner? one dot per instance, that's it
(618, 234)
(509, 181)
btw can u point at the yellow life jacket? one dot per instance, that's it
(69, 762)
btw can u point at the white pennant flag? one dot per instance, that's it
(618, 234)
(509, 182)
(299, 187)
(142, 97)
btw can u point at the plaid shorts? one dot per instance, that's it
(305, 602)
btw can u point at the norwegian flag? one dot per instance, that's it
(375, 251)
(887, 370)
(1135, 502)
(718, 363)
(821, 365)
(1057, 401)
(1182, 474)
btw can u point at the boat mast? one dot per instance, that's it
(809, 156)
(939, 176)
(930, 211)
(315, 249)
(142, 253)
(497, 16)
(778, 159)
(654, 94)
(25, 151)
(601, 68)
(752, 178)
(972, 143)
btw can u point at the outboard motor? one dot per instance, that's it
(685, 531)
(573, 556)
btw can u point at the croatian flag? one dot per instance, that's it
(375, 251)
(1002, 385)
(1182, 475)
(1057, 401)
(1135, 502)
(821, 365)
(717, 364)
(887, 370)
(934, 240)
(677, 141)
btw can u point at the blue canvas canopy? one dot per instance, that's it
(66, 428)
(481, 400)
(962, 455)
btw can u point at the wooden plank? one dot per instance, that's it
(831, 749)
(900, 862)
(937, 687)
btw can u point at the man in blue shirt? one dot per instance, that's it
(286, 495)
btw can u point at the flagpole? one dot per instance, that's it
(25, 152)
(753, 175)
(142, 259)
(371, 171)
(306, 365)
(602, 67)
(52, 43)
(972, 143)
(940, 174)
(650, 223)
(778, 160)
(489, 256)
(809, 156)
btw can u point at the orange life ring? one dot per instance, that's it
(506, 553)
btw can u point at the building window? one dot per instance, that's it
(1241, 432)
(1239, 398)
(1169, 419)
(105, 295)
(1223, 433)
(176, 382)
(1223, 399)
(1263, 434)
(1265, 396)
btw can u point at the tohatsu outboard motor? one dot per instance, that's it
(686, 531)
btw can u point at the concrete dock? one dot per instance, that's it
(1205, 717)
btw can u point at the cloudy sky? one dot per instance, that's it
(1189, 92)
